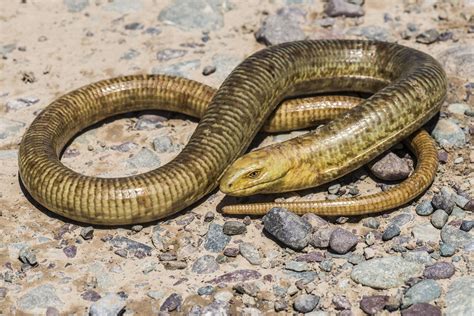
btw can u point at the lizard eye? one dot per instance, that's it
(253, 174)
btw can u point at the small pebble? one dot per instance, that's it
(439, 218)
(444, 200)
(209, 217)
(137, 228)
(231, 252)
(439, 270)
(205, 264)
(305, 303)
(373, 304)
(208, 70)
(205, 290)
(87, 233)
(173, 302)
(234, 228)
(467, 225)
(419, 309)
(341, 302)
(341, 241)
(446, 250)
(390, 232)
(371, 222)
(251, 253)
(428, 37)
(28, 256)
(425, 208)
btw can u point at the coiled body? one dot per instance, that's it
(409, 87)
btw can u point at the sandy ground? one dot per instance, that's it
(48, 50)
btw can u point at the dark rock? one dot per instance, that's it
(424, 309)
(236, 276)
(234, 228)
(373, 304)
(287, 227)
(467, 225)
(231, 252)
(205, 290)
(281, 27)
(134, 26)
(390, 232)
(90, 295)
(205, 264)
(208, 70)
(391, 168)
(280, 305)
(443, 156)
(428, 37)
(216, 240)
(439, 270)
(336, 8)
(341, 241)
(173, 302)
(320, 239)
(305, 303)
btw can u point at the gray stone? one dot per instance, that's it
(315, 221)
(439, 218)
(205, 264)
(426, 233)
(234, 228)
(455, 237)
(419, 309)
(156, 295)
(371, 222)
(459, 60)
(422, 257)
(342, 241)
(9, 128)
(287, 227)
(124, 6)
(341, 302)
(326, 265)
(224, 64)
(134, 26)
(40, 297)
(298, 266)
(390, 232)
(446, 250)
(17, 104)
(130, 54)
(251, 253)
(320, 238)
(284, 26)
(145, 158)
(131, 246)
(336, 8)
(448, 132)
(195, 14)
(172, 302)
(28, 256)
(7, 49)
(87, 233)
(428, 37)
(385, 273)
(390, 167)
(76, 5)
(170, 53)
(461, 201)
(402, 219)
(425, 208)
(305, 303)
(458, 108)
(459, 297)
(163, 144)
(439, 270)
(216, 240)
(205, 290)
(371, 32)
(236, 276)
(422, 292)
(182, 69)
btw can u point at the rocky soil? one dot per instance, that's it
(416, 260)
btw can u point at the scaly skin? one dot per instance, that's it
(412, 86)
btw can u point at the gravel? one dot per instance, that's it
(439, 218)
(234, 228)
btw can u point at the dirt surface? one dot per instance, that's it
(48, 48)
